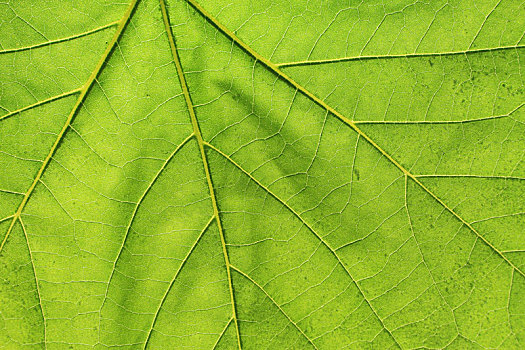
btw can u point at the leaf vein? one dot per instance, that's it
(39, 103)
(274, 68)
(83, 92)
(198, 135)
(310, 228)
(135, 210)
(274, 302)
(60, 40)
(150, 331)
(395, 56)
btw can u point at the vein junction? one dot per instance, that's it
(274, 68)
(83, 91)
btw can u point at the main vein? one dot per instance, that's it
(198, 136)
(275, 69)
(83, 92)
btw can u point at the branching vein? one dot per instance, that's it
(274, 302)
(83, 92)
(135, 210)
(174, 278)
(198, 135)
(39, 103)
(310, 228)
(274, 68)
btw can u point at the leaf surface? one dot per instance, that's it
(262, 174)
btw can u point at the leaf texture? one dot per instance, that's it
(262, 174)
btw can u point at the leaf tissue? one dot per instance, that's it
(262, 174)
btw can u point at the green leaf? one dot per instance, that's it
(226, 174)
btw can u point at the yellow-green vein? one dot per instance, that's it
(60, 40)
(411, 227)
(36, 104)
(83, 92)
(135, 210)
(310, 228)
(403, 55)
(36, 279)
(222, 333)
(6, 218)
(173, 280)
(474, 176)
(200, 141)
(423, 122)
(275, 69)
(245, 275)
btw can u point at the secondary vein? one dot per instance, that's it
(222, 333)
(36, 104)
(405, 55)
(245, 275)
(311, 229)
(36, 280)
(164, 297)
(135, 210)
(56, 41)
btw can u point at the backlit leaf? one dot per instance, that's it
(227, 174)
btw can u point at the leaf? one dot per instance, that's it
(263, 174)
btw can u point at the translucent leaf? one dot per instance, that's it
(264, 174)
